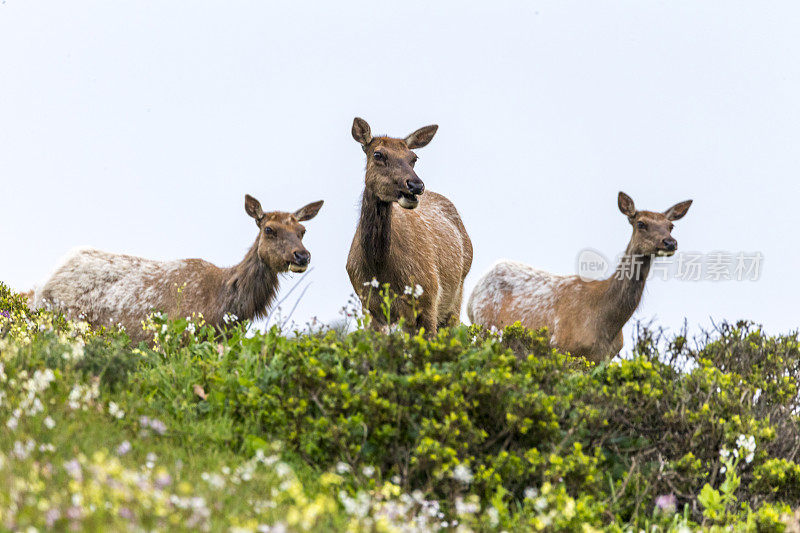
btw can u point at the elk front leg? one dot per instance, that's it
(426, 320)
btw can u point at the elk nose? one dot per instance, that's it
(415, 186)
(302, 257)
(670, 244)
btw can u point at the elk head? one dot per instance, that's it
(652, 232)
(390, 163)
(280, 235)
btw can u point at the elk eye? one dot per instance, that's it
(671, 227)
(379, 156)
(269, 231)
(413, 162)
(641, 225)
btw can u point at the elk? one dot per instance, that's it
(406, 238)
(108, 288)
(584, 317)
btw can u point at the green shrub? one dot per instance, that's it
(490, 430)
(472, 412)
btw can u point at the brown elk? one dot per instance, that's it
(406, 238)
(108, 288)
(584, 317)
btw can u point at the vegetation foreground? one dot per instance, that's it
(468, 431)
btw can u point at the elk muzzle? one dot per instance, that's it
(667, 248)
(300, 260)
(409, 200)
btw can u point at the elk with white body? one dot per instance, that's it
(584, 317)
(116, 289)
(406, 238)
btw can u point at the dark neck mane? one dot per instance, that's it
(376, 230)
(625, 288)
(248, 288)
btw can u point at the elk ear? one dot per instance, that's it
(625, 204)
(361, 132)
(308, 212)
(677, 211)
(253, 208)
(421, 137)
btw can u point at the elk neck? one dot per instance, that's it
(625, 287)
(376, 230)
(248, 288)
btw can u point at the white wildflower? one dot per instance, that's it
(358, 506)
(230, 317)
(463, 474)
(36, 407)
(342, 467)
(418, 291)
(494, 516)
(540, 503)
(77, 352)
(41, 380)
(408, 290)
(115, 411)
(282, 469)
(746, 443)
(49, 423)
(368, 471)
(531, 493)
(21, 451)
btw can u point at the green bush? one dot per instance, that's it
(470, 412)
(481, 429)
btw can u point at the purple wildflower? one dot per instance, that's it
(73, 468)
(74, 513)
(153, 423)
(666, 503)
(51, 516)
(124, 448)
(163, 480)
(158, 426)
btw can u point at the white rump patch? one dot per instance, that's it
(528, 294)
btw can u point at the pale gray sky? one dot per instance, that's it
(138, 126)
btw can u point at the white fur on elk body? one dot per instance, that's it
(583, 317)
(407, 238)
(111, 289)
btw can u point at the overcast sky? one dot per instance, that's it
(138, 126)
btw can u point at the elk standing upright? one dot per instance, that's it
(405, 238)
(584, 317)
(110, 288)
